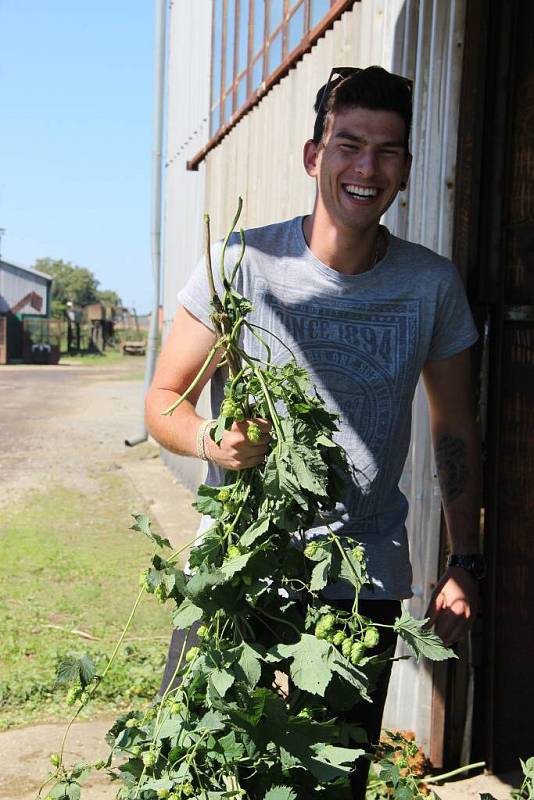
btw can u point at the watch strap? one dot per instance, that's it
(474, 563)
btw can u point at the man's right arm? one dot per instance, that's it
(182, 357)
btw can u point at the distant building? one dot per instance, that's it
(24, 293)
(24, 290)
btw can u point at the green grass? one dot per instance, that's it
(107, 358)
(69, 563)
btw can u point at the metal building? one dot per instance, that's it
(242, 78)
(24, 293)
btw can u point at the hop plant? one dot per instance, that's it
(143, 580)
(233, 551)
(160, 593)
(72, 695)
(356, 652)
(371, 637)
(339, 638)
(311, 549)
(149, 758)
(324, 626)
(328, 621)
(254, 432)
(228, 407)
(359, 553)
(191, 654)
(346, 647)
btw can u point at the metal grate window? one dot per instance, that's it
(252, 41)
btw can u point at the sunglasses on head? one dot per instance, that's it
(337, 76)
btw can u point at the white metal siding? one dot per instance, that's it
(261, 160)
(430, 50)
(16, 283)
(187, 132)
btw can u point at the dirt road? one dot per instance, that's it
(67, 426)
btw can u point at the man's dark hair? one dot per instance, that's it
(374, 88)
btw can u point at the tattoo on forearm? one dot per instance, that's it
(451, 461)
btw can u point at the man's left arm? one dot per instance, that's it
(448, 387)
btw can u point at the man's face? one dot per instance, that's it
(359, 166)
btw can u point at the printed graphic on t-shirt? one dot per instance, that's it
(363, 357)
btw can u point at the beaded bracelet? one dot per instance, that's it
(201, 434)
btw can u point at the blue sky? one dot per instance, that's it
(76, 81)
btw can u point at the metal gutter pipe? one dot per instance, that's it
(157, 149)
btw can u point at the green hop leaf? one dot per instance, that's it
(254, 432)
(420, 640)
(280, 793)
(371, 637)
(144, 525)
(79, 670)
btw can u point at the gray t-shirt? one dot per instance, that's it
(364, 339)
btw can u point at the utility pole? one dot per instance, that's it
(2, 232)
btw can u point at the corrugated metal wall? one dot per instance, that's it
(261, 160)
(431, 51)
(16, 283)
(187, 131)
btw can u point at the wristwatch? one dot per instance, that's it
(473, 563)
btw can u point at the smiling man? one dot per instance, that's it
(366, 313)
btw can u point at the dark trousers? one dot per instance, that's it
(369, 715)
(365, 715)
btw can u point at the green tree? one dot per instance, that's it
(109, 298)
(77, 284)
